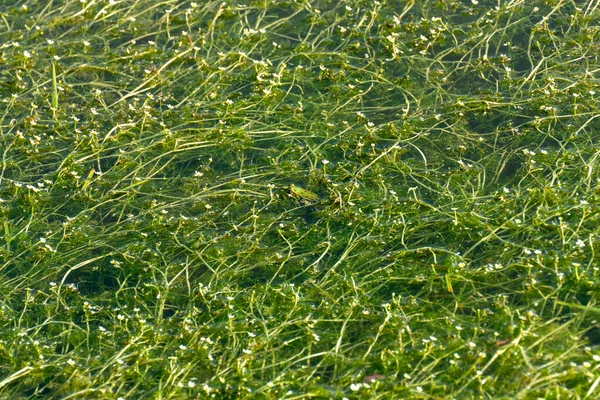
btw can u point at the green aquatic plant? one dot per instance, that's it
(440, 242)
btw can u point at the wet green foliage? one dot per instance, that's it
(299, 199)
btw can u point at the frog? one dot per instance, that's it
(302, 196)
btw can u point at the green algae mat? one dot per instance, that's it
(299, 199)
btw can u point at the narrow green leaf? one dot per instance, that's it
(54, 91)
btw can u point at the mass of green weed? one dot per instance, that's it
(294, 199)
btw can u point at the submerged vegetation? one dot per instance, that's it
(299, 199)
